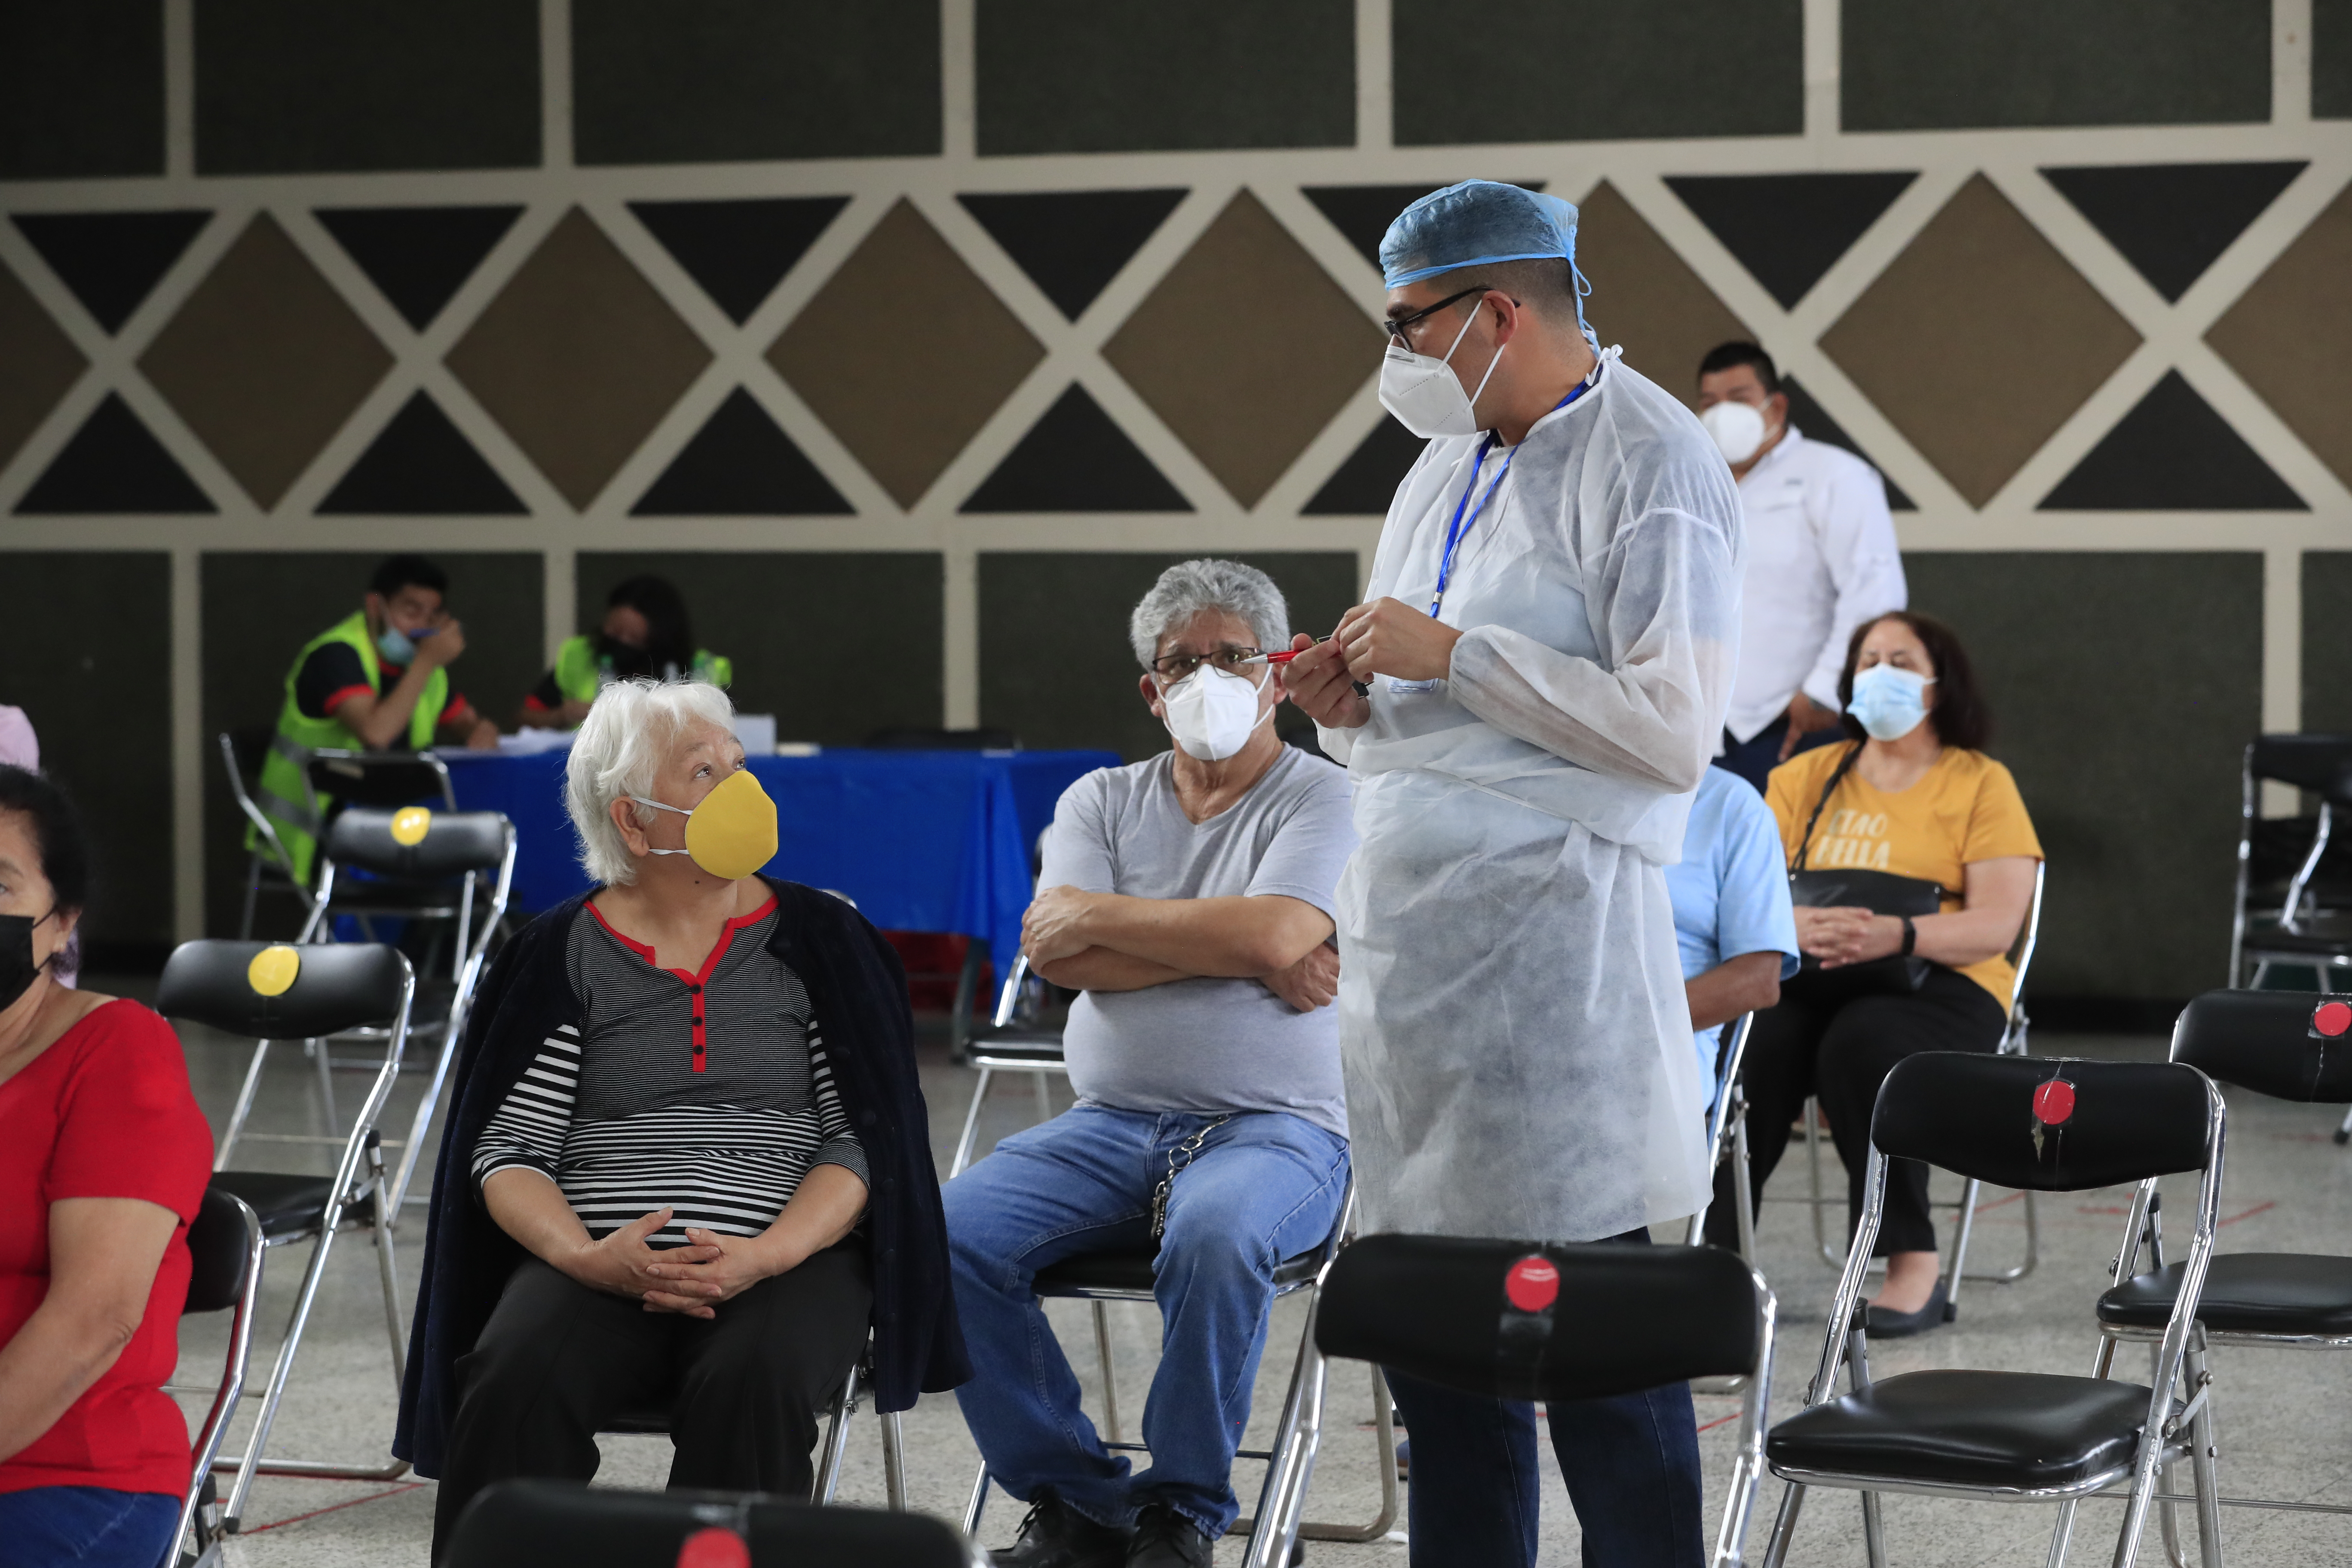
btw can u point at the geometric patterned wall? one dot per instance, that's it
(1031, 292)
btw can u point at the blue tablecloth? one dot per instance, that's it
(936, 841)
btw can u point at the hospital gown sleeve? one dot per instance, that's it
(1664, 596)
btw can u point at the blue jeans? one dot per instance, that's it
(1630, 1464)
(87, 1526)
(1266, 1186)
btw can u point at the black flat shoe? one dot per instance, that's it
(1166, 1539)
(1055, 1536)
(1882, 1324)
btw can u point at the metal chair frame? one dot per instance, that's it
(269, 854)
(2166, 1433)
(1298, 1436)
(2321, 764)
(2015, 1041)
(226, 1395)
(469, 950)
(1726, 1129)
(1033, 1059)
(359, 1196)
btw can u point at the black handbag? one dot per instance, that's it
(1880, 892)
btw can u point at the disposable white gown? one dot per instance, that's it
(1512, 1018)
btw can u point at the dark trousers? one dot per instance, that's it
(1630, 1464)
(745, 1390)
(1841, 1056)
(1755, 758)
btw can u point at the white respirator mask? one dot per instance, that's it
(1738, 429)
(1426, 394)
(1213, 714)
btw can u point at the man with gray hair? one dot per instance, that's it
(1189, 900)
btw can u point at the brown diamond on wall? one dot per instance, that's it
(1979, 341)
(1289, 350)
(578, 358)
(37, 362)
(904, 353)
(1646, 299)
(265, 362)
(2290, 336)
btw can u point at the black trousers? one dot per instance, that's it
(746, 1391)
(1841, 1056)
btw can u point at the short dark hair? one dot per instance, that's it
(1732, 355)
(408, 571)
(1961, 715)
(671, 634)
(1544, 284)
(57, 833)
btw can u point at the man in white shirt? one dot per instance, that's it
(1821, 560)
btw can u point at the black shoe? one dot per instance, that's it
(1166, 1539)
(1055, 1535)
(1882, 1324)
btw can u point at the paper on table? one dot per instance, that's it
(758, 733)
(530, 743)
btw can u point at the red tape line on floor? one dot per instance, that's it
(330, 1508)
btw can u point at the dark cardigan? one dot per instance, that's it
(859, 993)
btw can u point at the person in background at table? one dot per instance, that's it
(1732, 919)
(1189, 899)
(1821, 560)
(645, 632)
(1911, 793)
(103, 1159)
(377, 680)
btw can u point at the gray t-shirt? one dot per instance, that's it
(1209, 1044)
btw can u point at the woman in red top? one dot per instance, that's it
(103, 1159)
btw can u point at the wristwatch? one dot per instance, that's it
(1910, 936)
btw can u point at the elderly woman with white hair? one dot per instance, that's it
(688, 1166)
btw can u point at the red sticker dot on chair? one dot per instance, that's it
(2054, 1102)
(2332, 1018)
(714, 1548)
(1532, 1284)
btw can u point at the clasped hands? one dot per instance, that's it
(1844, 934)
(1055, 927)
(690, 1280)
(1387, 636)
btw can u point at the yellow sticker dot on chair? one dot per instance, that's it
(409, 825)
(273, 969)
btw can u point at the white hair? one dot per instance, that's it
(1189, 588)
(626, 738)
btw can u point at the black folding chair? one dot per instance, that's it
(417, 864)
(1017, 1041)
(1550, 1319)
(268, 864)
(2286, 1046)
(522, 1524)
(1276, 1529)
(281, 992)
(2051, 1125)
(2292, 877)
(1727, 1136)
(225, 1247)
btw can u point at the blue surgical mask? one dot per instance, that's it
(1889, 702)
(394, 645)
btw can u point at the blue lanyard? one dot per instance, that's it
(1459, 529)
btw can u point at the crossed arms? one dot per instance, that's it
(1108, 942)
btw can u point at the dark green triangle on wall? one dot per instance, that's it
(113, 464)
(1788, 229)
(1366, 482)
(2172, 220)
(418, 257)
(1073, 243)
(740, 464)
(739, 251)
(2172, 453)
(1075, 459)
(112, 261)
(420, 466)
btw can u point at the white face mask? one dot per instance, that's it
(1426, 394)
(1738, 429)
(1213, 714)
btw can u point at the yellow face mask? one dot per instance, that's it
(732, 833)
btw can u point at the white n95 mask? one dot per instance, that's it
(1426, 394)
(1738, 429)
(1213, 714)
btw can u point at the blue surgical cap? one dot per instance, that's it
(1473, 224)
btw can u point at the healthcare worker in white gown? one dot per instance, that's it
(1526, 703)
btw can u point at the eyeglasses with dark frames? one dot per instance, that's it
(1397, 325)
(1174, 666)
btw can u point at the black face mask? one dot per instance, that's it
(621, 659)
(17, 966)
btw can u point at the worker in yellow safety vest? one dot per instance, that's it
(645, 633)
(376, 681)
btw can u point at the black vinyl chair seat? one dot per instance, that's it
(2318, 938)
(1130, 1268)
(288, 1205)
(2023, 1430)
(1025, 1047)
(534, 1521)
(2293, 1293)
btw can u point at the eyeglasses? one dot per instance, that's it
(1174, 666)
(1397, 326)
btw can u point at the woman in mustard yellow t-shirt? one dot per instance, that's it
(1914, 795)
